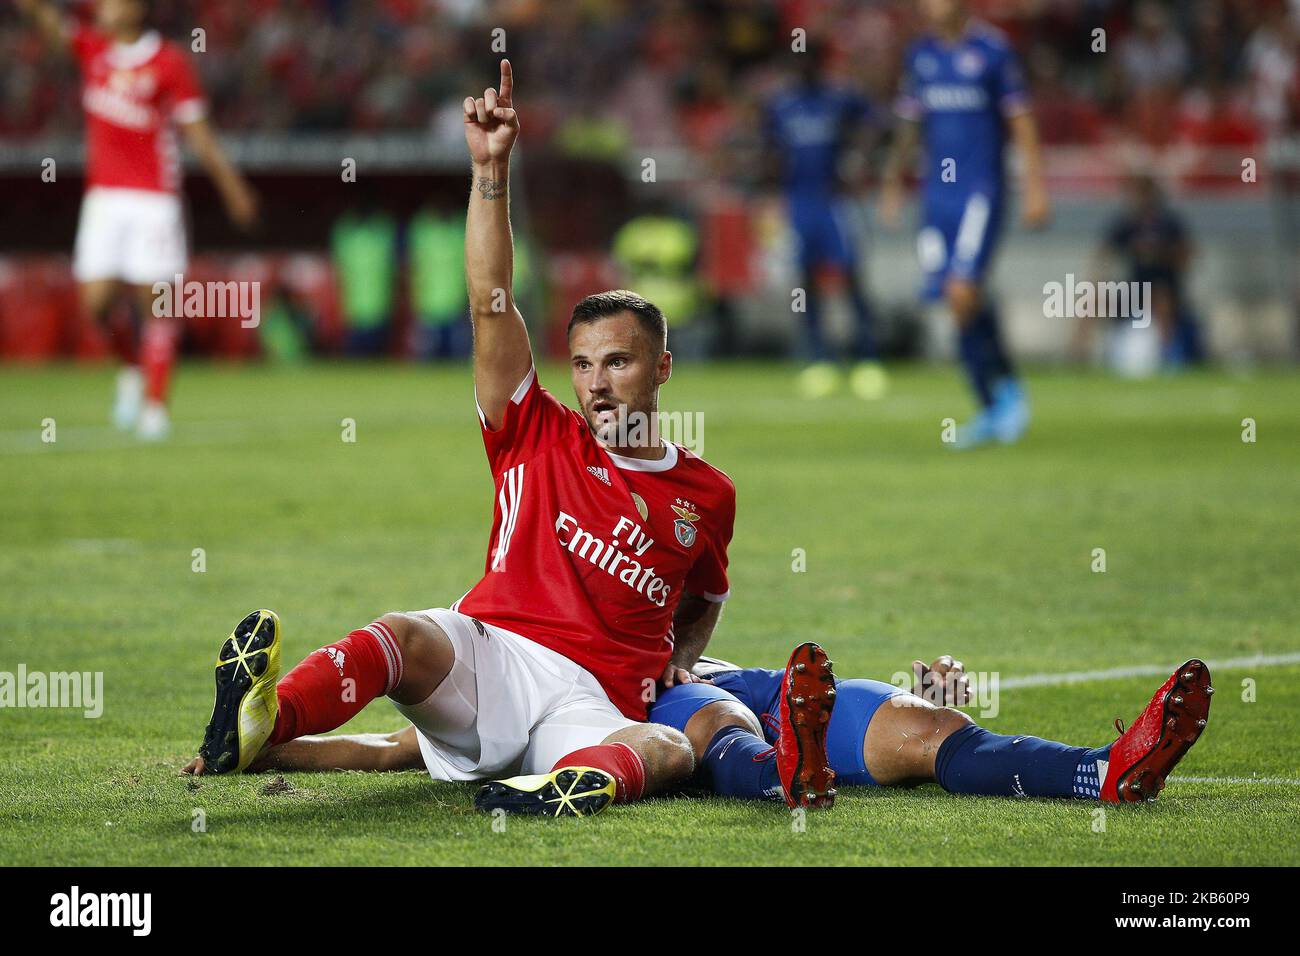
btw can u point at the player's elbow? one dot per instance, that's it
(489, 304)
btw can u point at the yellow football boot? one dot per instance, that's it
(566, 792)
(243, 716)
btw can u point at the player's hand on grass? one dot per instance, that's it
(194, 767)
(491, 123)
(944, 682)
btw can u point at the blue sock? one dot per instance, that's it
(814, 340)
(864, 341)
(995, 354)
(972, 347)
(738, 764)
(973, 760)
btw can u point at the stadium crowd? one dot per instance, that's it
(646, 74)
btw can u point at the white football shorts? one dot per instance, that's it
(134, 235)
(509, 705)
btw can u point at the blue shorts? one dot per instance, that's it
(822, 233)
(957, 240)
(759, 689)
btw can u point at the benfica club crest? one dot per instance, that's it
(683, 527)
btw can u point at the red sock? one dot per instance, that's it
(333, 684)
(157, 353)
(619, 761)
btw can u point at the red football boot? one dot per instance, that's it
(1146, 753)
(807, 696)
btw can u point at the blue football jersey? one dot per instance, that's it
(808, 128)
(961, 95)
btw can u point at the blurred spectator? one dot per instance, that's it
(364, 246)
(1271, 67)
(1153, 62)
(287, 325)
(1149, 240)
(1155, 56)
(435, 246)
(657, 252)
(1063, 114)
(1216, 44)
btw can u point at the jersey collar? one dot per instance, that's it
(127, 56)
(647, 464)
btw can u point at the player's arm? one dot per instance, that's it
(502, 355)
(239, 198)
(49, 20)
(693, 624)
(1037, 208)
(907, 135)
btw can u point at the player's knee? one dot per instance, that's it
(404, 629)
(413, 632)
(948, 720)
(668, 752)
(426, 655)
(96, 302)
(716, 716)
(926, 721)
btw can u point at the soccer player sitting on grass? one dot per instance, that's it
(912, 740)
(604, 549)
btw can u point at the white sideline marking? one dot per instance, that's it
(1237, 781)
(1144, 670)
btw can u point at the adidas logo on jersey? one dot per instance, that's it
(601, 473)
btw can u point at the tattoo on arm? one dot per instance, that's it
(491, 188)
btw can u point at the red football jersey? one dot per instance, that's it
(591, 551)
(132, 94)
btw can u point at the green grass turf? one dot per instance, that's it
(912, 550)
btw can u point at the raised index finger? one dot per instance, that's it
(507, 84)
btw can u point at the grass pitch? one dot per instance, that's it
(911, 550)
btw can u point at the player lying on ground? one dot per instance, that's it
(137, 88)
(907, 741)
(605, 545)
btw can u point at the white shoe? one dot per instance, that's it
(154, 423)
(126, 402)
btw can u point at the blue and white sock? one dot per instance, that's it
(1091, 773)
(975, 761)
